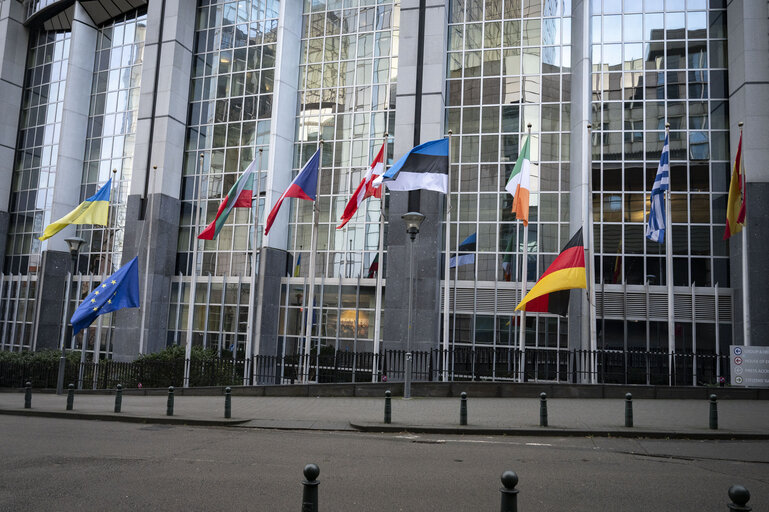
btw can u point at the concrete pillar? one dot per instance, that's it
(55, 261)
(429, 244)
(13, 54)
(748, 32)
(152, 217)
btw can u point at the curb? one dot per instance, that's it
(157, 420)
(557, 432)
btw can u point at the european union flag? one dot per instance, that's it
(118, 291)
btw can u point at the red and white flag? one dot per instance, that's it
(365, 189)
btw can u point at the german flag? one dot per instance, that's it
(550, 294)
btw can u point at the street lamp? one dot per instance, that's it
(413, 220)
(74, 245)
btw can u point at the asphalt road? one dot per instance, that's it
(55, 464)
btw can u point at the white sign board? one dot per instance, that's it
(749, 366)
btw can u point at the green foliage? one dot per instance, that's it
(47, 356)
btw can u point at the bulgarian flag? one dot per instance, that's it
(735, 206)
(365, 189)
(518, 185)
(239, 196)
(550, 294)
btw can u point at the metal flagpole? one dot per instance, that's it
(193, 277)
(591, 290)
(254, 312)
(669, 270)
(380, 267)
(745, 281)
(524, 282)
(446, 272)
(144, 304)
(311, 292)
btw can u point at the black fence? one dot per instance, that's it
(461, 364)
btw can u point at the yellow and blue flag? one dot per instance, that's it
(118, 291)
(93, 210)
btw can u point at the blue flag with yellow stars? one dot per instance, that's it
(118, 291)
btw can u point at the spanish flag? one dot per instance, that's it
(550, 294)
(735, 206)
(93, 210)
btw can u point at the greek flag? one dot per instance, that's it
(655, 229)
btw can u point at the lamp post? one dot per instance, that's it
(74, 245)
(413, 220)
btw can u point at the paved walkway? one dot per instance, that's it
(513, 416)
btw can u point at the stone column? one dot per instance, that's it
(748, 43)
(13, 55)
(152, 218)
(429, 244)
(55, 261)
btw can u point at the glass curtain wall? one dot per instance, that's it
(508, 66)
(346, 98)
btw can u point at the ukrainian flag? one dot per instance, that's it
(93, 210)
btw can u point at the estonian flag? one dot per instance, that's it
(550, 294)
(425, 167)
(467, 245)
(118, 291)
(94, 210)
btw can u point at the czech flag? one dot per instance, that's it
(93, 210)
(550, 294)
(304, 186)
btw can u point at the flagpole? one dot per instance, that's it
(193, 278)
(446, 264)
(254, 312)
(313, 257)
(669, 271)
(380, 267)
(745, 301)
(524, 282)
(144, 304)
(591, 295)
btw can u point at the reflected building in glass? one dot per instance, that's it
(174, 100)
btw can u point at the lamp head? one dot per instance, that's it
(413, 220)
(74, 244)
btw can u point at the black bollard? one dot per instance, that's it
(228, 402)
(509, 492)
(28, 396)
(463, 408)
(170, 403)
(628, 410)
(70, 396)
(119, 398)
(543, 409)
(310, 492)
(388, 413)
(740, 497)
(713, 412)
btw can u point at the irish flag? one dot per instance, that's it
(518, 185)
(735, 205)
(365, 189)
(239, 196)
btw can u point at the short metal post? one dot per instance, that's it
(60, 377)
(463, 408)
(713, 412)
(509, 492)
(310, 492)
(170, 403)
(388, 413)
(740, 497)
(629, 410)
(119, 398)
(228, 402)
(28, 396)
(70, 396)
(543, 409)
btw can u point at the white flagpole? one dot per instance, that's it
(193, 279)
(144, 304)
(254, 312)
(524, 285)
(745, 280)
(380, 267)
(669, 269)
(311, 292)
(590, 239)
(446, 264)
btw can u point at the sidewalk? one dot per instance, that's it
(746, 419)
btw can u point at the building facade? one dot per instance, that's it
(175, 98)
